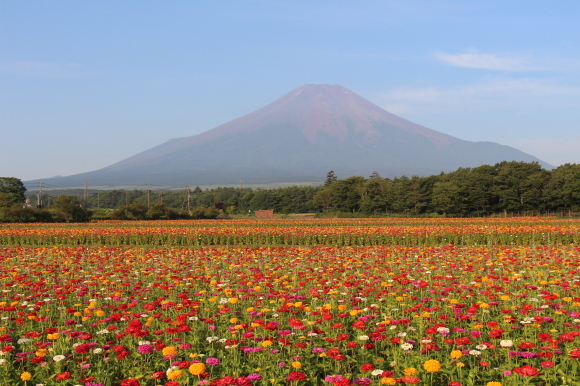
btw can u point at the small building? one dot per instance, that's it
(268, 213)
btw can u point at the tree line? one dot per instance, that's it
(506, 187)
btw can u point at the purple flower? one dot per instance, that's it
(362, 381)
(254, 377)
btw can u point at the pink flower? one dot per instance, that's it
(547, 364)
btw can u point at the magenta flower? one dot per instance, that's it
(212, 361)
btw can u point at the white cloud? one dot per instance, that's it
(487, 95)
(476, 60)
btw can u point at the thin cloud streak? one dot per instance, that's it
(475, 97)
(487, 61)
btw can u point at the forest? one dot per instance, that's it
(515, 188)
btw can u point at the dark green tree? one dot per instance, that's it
(330, 178)
(11, 191)
(67, 208)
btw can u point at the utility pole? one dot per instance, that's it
(39, 196)
(188, 193)
(86, 191)
(148, 195)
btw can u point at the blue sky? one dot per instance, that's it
(87, 84)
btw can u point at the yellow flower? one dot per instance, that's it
(410, 371)
(493, 384)
(233, 320)
(54, 336)
(197, 368)
(296, 365)
(388, 381)
(169, 350)
(175, 374)
(233, 300)
(432, 365)
(26, 376)
(456, 354)
(459, 364)
(266, 343)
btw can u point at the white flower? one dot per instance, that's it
(58, 358)
(363, 337)
(377, 372)
(474, 352)
(97, 351)
(102, 332)
(211, 338)
(406, 346)
(24, 340)
(2, 361)
(506, 343)
(141, 342)
(481, 347)
(401, 334)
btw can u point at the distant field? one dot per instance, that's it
(299, 231)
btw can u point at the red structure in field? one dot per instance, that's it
(269, 213)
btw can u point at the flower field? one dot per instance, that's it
(332, 232)
(291, 302)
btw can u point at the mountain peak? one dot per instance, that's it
(298, 138)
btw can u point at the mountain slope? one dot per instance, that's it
(298, 138)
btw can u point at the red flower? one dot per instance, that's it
(547, 364)
(574, 353)
(527, 371)
(296, 376)
(130, 382)
(243, 381)
(157, 375)
(526, 345)
(225, 381)
(64, 376)
(367, 367)
(172, 383)
(410, 379)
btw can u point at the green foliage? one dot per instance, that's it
(507, 187)
(20, 213)
(130, 212)
(330, 178)
(11, 191)
(69, 209)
